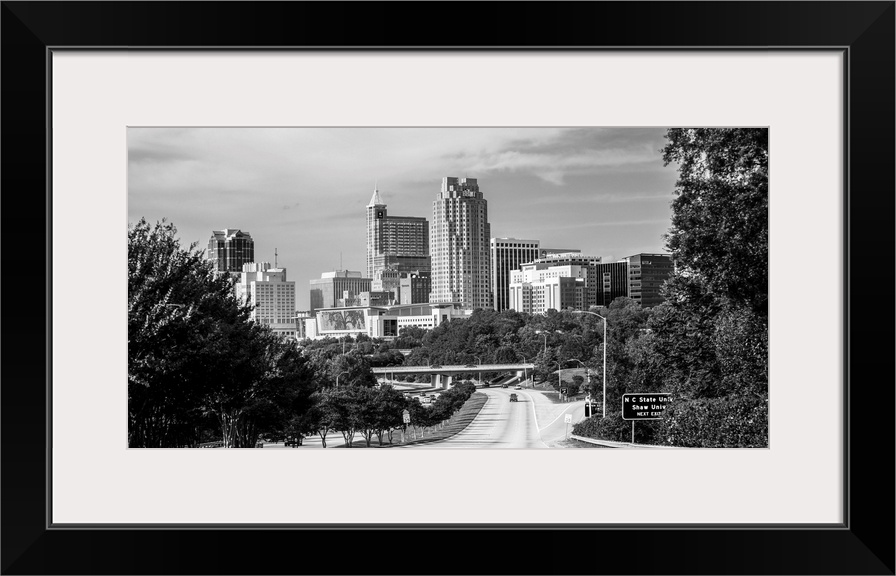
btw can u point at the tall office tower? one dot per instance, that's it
(508, 254)
(271, 295)
(459, 240)
(394, 241)
(612, 280)
(646, 275)
(331, 287)
(397, 247)
(592, 281)
(229, 249)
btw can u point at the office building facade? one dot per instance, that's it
(229, 249)
(271, 295)
(646, 275)
(612, 278)
(327, 290)
(507, 255)
(540, 286)
(459, 245)
(588, 263)
(397, 247)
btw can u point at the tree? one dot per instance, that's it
(319, 418)
(181, 317)
(389, 408)
(710, 336)
(720, 216)
(352, 370)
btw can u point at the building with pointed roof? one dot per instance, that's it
(397, 249)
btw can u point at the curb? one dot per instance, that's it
(611, 444)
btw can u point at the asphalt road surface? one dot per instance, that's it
(534, 421)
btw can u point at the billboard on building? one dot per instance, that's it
(337, 320)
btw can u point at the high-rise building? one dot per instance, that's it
(327, 290)
(459, 244)
(397, 247)
(229, 249)
(646, 275)
(507, 255)
(612, 278)
(273, 297)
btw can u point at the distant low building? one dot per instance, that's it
(540, 286)
(331, 286)
(378, 321)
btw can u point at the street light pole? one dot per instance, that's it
(605, 355)
(525, 370)
(559, 378)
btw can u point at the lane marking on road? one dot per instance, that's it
(534, 413)
(558, 417)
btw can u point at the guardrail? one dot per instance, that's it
(218, 444)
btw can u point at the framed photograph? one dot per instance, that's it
(199, 91)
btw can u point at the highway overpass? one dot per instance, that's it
(442, 376)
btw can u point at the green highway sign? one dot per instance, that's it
(645, 405)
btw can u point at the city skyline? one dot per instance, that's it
(304, 191)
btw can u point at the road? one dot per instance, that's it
(534, 421)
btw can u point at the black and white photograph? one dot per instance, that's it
(459, 248)
(310, 288)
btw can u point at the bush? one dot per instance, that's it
(615, 429)
(730, 422)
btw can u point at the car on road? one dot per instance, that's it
(436, 366)
(471, 366)
(517, 387)
(513, 398)
(503, 385)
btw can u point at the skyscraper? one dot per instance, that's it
(459, 243)
(229, 249)
(508, 254)
(397, 246)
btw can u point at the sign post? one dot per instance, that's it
(406, 418)
(644, 406)
(568, 420)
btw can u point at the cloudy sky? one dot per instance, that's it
(304, 191)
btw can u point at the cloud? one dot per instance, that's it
(566, 153)
(602, 198)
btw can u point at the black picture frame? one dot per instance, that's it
(864, 31)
